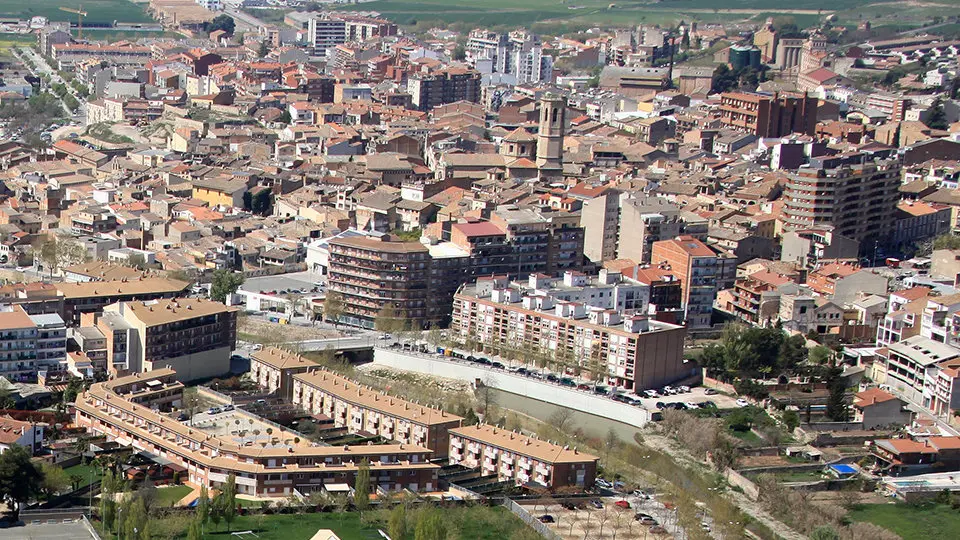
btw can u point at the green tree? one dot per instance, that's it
(194, 532)
(724, 79)
(203, 508)
(216, 510)
(937, 118)
(946, 241)
(825, 532)
(361, 486)
(20, 479)
(820, 355)
(791, 419)
(57, 253)
(229, 495)
(388, 319)
(333, 307)
(264, 49)
(135, 520)
(222, 22)
(224, 283)
(285, 117)
(397, 525)
(55, 480)
(460, 53)
(837, 408)
(430, 525)
(108, 506)
(262, 202)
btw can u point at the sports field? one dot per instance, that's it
(99, 11)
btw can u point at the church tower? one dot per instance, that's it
(550, 137)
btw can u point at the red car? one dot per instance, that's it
(622, 504)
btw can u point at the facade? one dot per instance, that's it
(362, 409)
(445, 86)
(271, 467)
(195, 337)
(550, 136)
(700, 271)
(633, 351)
(26, 434)
(273, 370)
(520, 458)
(876, 408)
(912, 367)
(897, 457)
(765, 115)
(18, 343)
(91, 297)
(853, 195)
(51, 341)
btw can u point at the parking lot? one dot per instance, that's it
(587, 520)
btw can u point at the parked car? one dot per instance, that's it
(603, 483)
(546, 518)
(583, 386)
(497, 365)
(645, 519)
(661, 405)
(710, 392)
(227, 408)
(683, 388)
(622, 504)
(743, 403)
(596, 504)
(569, 506)
(657, 529)
(691, 405)
(651, 393)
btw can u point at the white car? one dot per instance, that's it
(743, 403)
(691, 405)
(651, 393)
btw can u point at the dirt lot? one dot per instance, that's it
(609, 522)
(270, 332)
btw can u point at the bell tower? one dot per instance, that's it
(550, 136)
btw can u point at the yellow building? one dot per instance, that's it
(220, 191)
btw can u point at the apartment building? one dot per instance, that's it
(68, 55)
(51, 344)
(371, 274)
(912, 368)
(757, 297)
(362, 409)
(701, 271)
(638, 353)
(274, 466)
(766, 115)
(520, 458)
(18, 344)
(854, 194)
(645, 220)
(159, 389)
(273, 369)
(444, 86)
(195, 337)
(542, 241)
(92, 296)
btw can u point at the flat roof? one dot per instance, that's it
(120, 287)
(157, 312)
(377, 245)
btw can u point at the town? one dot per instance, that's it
(277, 269)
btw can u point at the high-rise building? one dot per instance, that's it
(700, 270)
(449, 85)
(766, 115)
(855, 194)
(550, 137)
(519, 53)
(18, 343)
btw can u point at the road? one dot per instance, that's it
(353, 342)
(244, 21)
(42, 68)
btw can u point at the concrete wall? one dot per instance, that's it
(551, 393)
(749, 488)
(202, 365)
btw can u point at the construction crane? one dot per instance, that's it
(80, 15)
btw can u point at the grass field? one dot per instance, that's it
(169, 496)
(87, 473)
(911, 522)
(100, 11)
(9, 41)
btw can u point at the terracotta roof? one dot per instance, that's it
(872, 396)
(522, 444)
(157, 312)
(281, 359)
(11, 430)
(122, 287)
(480, 228)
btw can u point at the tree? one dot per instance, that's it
(724, 79)
(20, 479)
(55, 480)
(285, 117)
(135, 520)
(262, 202)
(937, 118)
(224, 283)
(430, 526)
(561, 418)
(333, 307)
(947, 241)
(820, 355)
(229, 495)
(460, 53)
(216, 510)
(397, 525)
(388, 319)
(837, 408)
(791, 419)
(264, 49)
(361, 486)
(203, 508)
(222, 22)
(57, 253)
(193, 532)
(824, 532)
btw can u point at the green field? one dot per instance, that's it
(169, 496)
(87, 473)
(99, 11)
(911, 522)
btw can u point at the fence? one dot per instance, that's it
(541, 528)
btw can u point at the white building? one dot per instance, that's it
(26, 434)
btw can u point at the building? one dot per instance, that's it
(361, 409)
(855, 196)
(18, 344)
(628, 350)
(444, 86)
(520, 458)
(701, 272)
(273, 369)
(876, 408)
(195, 337)
(273, 465)
(550, 136)
(769, 116)
(896, 457)
(92, 296)
(51, 341)
(789, 52)
(912, 365)
(26, 434)
(371, 275)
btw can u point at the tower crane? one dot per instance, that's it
(80, 15)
